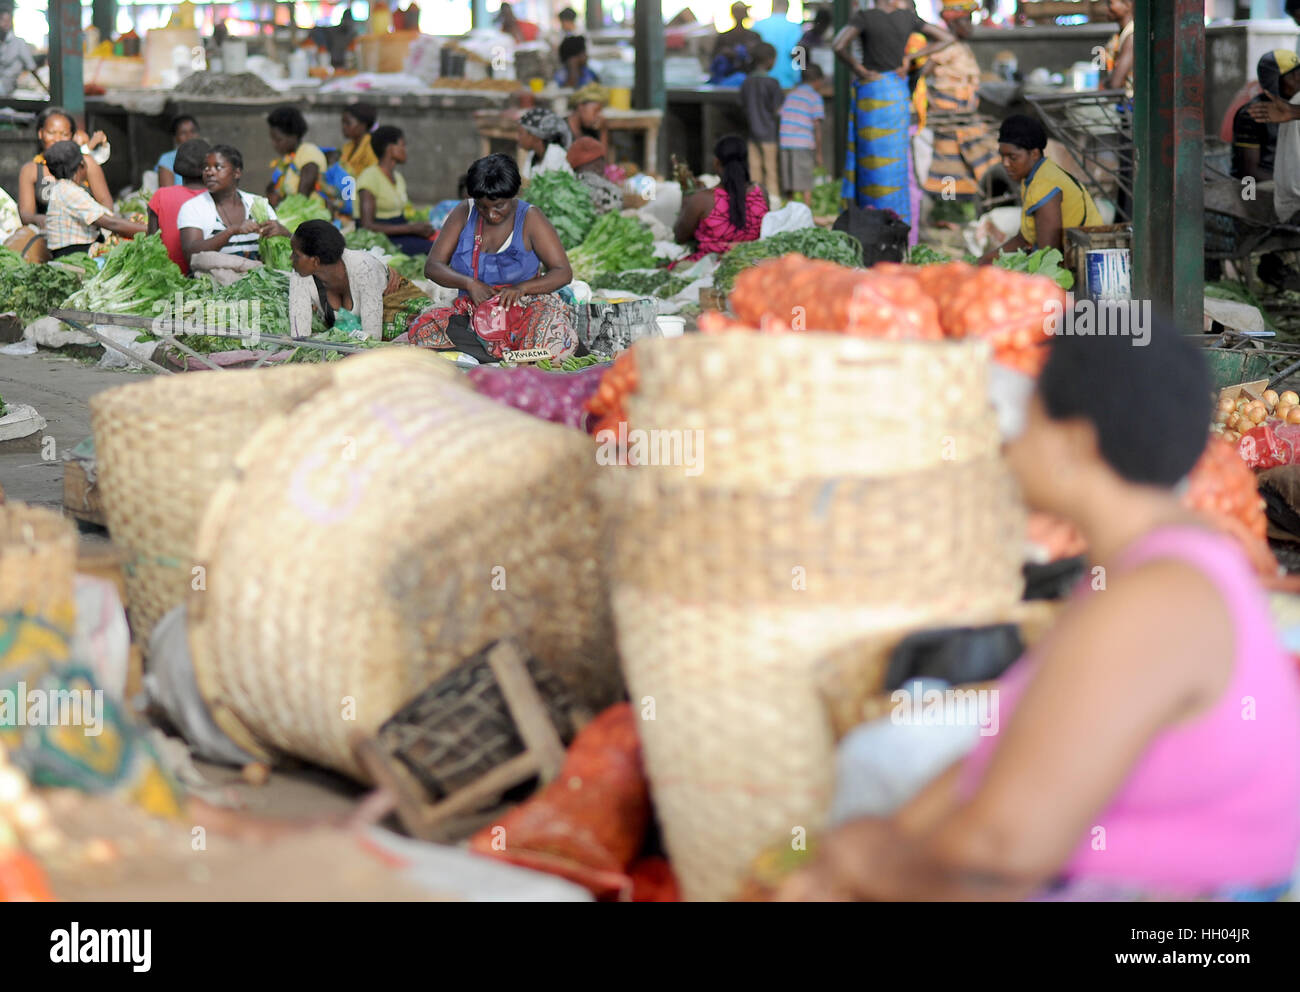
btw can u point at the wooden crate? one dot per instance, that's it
(81, 498)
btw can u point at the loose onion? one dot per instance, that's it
(1270, 397)
(1293, 415)
(1234, 419)
(1225, 403)
(1258, 412)
(1281, 410)
(1290, 396)
(1231, 436)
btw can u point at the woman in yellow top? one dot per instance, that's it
(301, 165)
(357, 154)
(381, 191)
(1051, 199)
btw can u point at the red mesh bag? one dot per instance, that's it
(590, 823)
(892, 306)
(1009, 309)
(1222, 487)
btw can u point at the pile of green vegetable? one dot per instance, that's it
(614, 244)
(296, 208)
(645, 283)
(136, 274)
(925, 255)
(410, 266)
(571, 364)
(827, 200)
(566, 204)
(309, 354)
(811, 242)
(136, 204)
(1044, 262)
(31, 290)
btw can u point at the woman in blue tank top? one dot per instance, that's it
(496, 247)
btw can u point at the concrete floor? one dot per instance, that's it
(60, 389)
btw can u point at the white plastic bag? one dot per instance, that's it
(124, 337)
(794, 216)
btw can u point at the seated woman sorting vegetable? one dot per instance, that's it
(224, 220)
(546, 138)
(1051, 199)
(74, 219)
(34, 180)
(300, 165)
(353, 291)
(715, 219)
(382, 192)
(493, 249)
(1129, 760)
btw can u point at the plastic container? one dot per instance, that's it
(1109, 276)
(671, 326)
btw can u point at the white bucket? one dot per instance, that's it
(671, 326)
(1108, 274)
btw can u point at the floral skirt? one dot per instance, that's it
(541, 321)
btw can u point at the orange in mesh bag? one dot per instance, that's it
(589, 824)
(1009, 309)
(1222, 487)
(892, 306)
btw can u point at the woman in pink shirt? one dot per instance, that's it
(167, 202)
(1149, 746)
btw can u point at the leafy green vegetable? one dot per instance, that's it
(566, 204)
(309, 354)
(615, 244)
(136, 203)
(32, 290)
(362, 240)
(1044, 262)
(811, 242)
(275, 252)
(826, 199)
(672, 287)
(410, 266)
(640, 283)
(296, 208)
(925, 255)
(136, 274)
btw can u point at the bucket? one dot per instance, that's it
(1109, 276)
(620, 98)
(1085, 76)
(671, 326)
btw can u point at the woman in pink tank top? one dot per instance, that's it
(1150, 745)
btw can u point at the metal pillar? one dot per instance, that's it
(841, 12)
(1169, 134)
(105, 18)
(648, 41)
(66, 86)
(478, 15)
(595, 15)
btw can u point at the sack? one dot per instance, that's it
(590, 823)
(883, 233)
(29, 244)
(794, 216)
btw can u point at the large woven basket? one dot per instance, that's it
(38, 562)
(373, 537)
(843, 487)
(161, 447)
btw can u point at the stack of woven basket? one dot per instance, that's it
(842, 487)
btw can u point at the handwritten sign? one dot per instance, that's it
(524, 356)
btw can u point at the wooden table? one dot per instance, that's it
(503, 125)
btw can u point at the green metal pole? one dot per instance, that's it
(648, 40)
(841, 12)
(1169, 134)
(105, 18)
(66, 87)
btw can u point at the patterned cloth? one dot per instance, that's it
(963, 154)
(70, 218)
(605, 196)
(285, 170)
(716, 233)
(877, 163)
(541, 321)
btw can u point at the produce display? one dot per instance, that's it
(135, 206)
(827, 198)
(812, 242)
(645, 283)
(1044, 262)
(606, 404)
(614, 244)
(1234, 417)
(308, 354)
(31, 290)
(410, 266)
(1223, 487)
(571, 364)
(137, 274)
(275, 252)
(566, 203)
(296, 208)
(558, 397)
(925, 255)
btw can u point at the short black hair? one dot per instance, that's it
(1149, 404)
(180, 119)
(190, 158)
(822, 19)
(288, 120)
(569, 14)
(365, 113)
(494, 177)
(321, 240)
(572, 46)
(764, 54)
(813, 73)
(230, 153)
(62, 159)
(1023, 132)
(382, 137)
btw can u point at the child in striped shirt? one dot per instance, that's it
(801, 136)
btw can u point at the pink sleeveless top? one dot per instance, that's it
(716, 233)
(1212, 803)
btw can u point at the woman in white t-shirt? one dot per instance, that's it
(546, 137)
(225, 219)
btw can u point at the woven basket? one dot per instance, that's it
(378, 534)
(38, 562)
(818, 516)
(161, 447)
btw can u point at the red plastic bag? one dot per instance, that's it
(590, 823)
(1260, 448)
